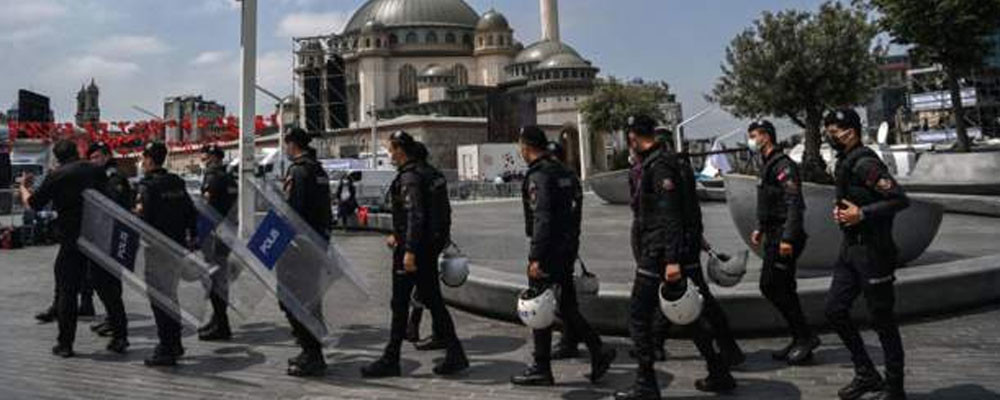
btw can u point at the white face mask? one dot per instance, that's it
(753, 146)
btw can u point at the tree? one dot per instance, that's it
(798, 65)
(613, 102)
(952, 33)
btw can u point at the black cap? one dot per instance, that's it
(533, 136)
(845, 118)
(642, 125)
(213, 150)
(299, 137)
(157, 151)
(98, 146)
(764, 125)
(402, 138)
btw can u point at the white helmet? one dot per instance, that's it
(453, 267)
(725, 270)
(586, 283)
(537, 310)
(681, 302)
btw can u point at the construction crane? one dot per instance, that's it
(147, 112)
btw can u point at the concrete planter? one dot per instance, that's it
(976, 173)
(914, 228)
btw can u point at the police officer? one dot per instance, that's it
(64, 188)
(868, 199)
(219, 189)
(667, 239)
(164, 204)
(307, 187)
(109, 286)
(421, 218)
(553, 198)
(780, 230)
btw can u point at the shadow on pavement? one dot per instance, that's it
(958, 392)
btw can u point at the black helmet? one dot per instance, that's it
(766, 126)
(642, 125)
(299, 137)
(157, 151)
(533, 136)
(844, 118)
(402, 138)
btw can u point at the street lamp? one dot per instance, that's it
(281, 125)
(248, 105)
(374, 118)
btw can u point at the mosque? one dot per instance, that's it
(442, 71)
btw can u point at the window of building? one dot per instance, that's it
(393, 39)
(368, 43)
(489, 40)
(467, 39)
(461, 75)
(408, 82)
(411, 38)
(450, 38)
(431, 37)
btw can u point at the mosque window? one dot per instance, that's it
(482, 42)
(408, 82)
(411, 38)
(489, 40)
(368, 43)
(467, 39)
(431, 37)
(393, 39)
(449, 38)
(378, 43)
(461, 75)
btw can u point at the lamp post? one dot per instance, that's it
(281, 125)
(374, 119)
(248, 105)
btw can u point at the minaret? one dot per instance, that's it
(550, 20)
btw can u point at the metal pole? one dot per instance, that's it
(248, 105)
(281, 126)
(679, 138)
(374, 137)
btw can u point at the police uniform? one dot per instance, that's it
(552, 198)
(307, 187)
(667, 229)
(166, 206)
(421, 219)
(220, 189)
(780, 208)
(867, 262)
(109, 286)
(64, 188)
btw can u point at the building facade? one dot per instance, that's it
(88, 109)
(185, 112)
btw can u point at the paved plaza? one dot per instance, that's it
(948, 358)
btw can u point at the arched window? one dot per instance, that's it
(482, 42)
(368, 43)
(411, 38)
(431, 37)
(393, 39)
(461, 75)
(378, 43)
(407, 82)
(449, 38)
(489, 40)
(467, 39)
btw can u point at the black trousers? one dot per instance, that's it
(778, 284)
(218, 294)
(164, 278)
(425, 282)
(857, 272)
(645, 306)
(574, 325)
(306, 340)
(71, 266)
(109, 290)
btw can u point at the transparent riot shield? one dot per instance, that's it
(305, 272)
(229, 278)
(173, 277)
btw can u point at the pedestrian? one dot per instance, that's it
(553, 199)
(868, 198)
(780, 230)
(421, 218)
(219, 188)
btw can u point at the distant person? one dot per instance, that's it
(64, 188)
(220, 189)
(347, 203)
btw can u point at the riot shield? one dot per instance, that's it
(173, 277)
(242, 292)
(306, 273)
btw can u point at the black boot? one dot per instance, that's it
(733, 355)
(720, 382)
(312, 364)
(802, 352)
(413, 326)
(386, 366)
(866, 380)
(454, 362)
(299, 358)
(207, 327)
(220, 331)
(163, 356)
(600, 363)
(118, 345)
(47, 316)
(782, 353)
(565, 351)
(534, 376)
(64, 351)
(645, 387)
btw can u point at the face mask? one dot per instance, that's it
(753, 145)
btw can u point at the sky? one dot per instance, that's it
(141, 51)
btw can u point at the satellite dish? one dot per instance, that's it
(883, 133)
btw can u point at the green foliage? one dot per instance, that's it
(608, 109)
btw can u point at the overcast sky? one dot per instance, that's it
(141, 51)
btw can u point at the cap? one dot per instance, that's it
(401, 138)
(533, 136)
(765, 125)
(642, 125)
(845, 118)
(299, 137)
(156, 150)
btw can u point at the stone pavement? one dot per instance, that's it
(953, 358)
